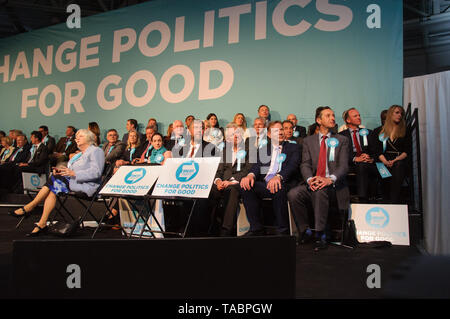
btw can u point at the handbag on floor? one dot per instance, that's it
(64, 229)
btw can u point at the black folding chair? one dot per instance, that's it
(84, 200)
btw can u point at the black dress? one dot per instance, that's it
(392, 186)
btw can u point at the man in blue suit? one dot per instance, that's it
(276, 165)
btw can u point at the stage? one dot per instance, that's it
(334, 273)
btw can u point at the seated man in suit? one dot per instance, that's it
(37, 161)
(276, 165)
(299, 131)
(47, 139)
(195, 147)
(360, 162)
(114, 148)
(324, 168)
(65, 146)
(176, 136)
(234, 165)
(288, 128)
(147, 144)
(19, 155)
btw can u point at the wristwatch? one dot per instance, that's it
(281, 177)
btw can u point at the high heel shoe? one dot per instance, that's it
(25, 213)
(39, 232)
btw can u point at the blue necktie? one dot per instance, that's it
(275, 166)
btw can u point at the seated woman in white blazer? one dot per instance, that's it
(82, 174)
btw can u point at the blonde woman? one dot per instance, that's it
(241, 122)
(392, 147)
(133, 151)
(7, 149)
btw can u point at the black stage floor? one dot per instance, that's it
(334, 273)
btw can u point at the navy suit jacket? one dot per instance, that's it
(289, 168)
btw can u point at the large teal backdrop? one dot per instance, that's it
(171, 58)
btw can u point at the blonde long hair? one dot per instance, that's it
(138, 140)
(244, 124)
(389, 127)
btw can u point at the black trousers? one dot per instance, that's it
(252, 201)
(392, 186)
(230, 196)
(366, 179)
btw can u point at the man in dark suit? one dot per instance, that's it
(299, 131)
(324, 168)
(264, 112)
(20, 155)
(235, 164)
(360, 162)
(48, 140)
(132, 124)
(195, 147)
(65, 146)
(178, 132)
(114, 148)
(276, 165)
(37, 160)
(297, 141)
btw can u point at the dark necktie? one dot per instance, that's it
(356, 142)
(322, 165)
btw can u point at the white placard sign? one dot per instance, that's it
(32, 181)
(132, 180)
(187, 177)
(381, 223)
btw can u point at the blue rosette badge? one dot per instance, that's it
(364, 133)
(383, 140)
(281, 158)
(240, 156)
(159, 158)
(332, 144)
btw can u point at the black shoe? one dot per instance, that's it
(25, 213)
(226, 233)
(254, 233)
(306, 237)
(321, 243)
(39, 232)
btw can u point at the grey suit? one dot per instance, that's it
(116, 152)
(300, 196)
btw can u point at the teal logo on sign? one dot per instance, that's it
(135, 176)
(377, 217)
(187, 171)
(35, 180)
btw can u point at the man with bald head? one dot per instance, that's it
(299, 131)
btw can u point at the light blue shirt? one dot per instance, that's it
(88, 171)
